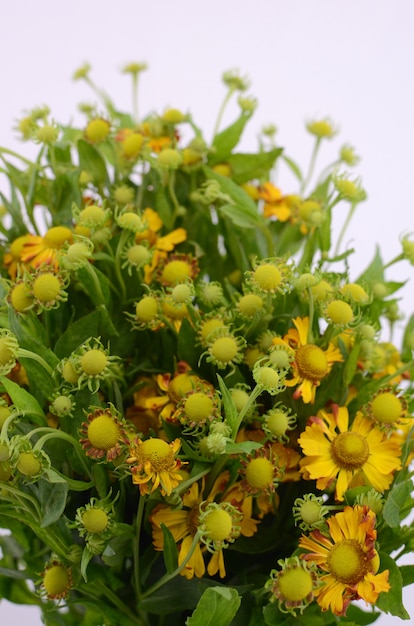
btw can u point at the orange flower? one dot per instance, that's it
(40, 250)
(275, 204)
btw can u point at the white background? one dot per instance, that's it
(350, 60)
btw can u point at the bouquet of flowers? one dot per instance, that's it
(201, 420)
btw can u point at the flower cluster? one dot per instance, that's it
(198, 402)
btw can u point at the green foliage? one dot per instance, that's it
(177, 386)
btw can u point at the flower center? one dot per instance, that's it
(218, 524)
(57, 236)
(198, 407)
(175, 272)
(130, 221)
(103, 433)
(277, 422)
(69, 373)
(350, 450)
(339, 312)
(94, 362)
(97, 130)
(347, 562)
(138, 254)
(386, 408)
(268, 377)
(259, 473)
(20, 298)
(310, 512)
(95, 520)
(311, 362)
(6, 353)
(268, 277)
(209, 326)
(250, 304)
(92, 216)
(295, 584)
(146, 309)
(28, 464)
(240, 397)
(157, 452)
(77, 252)
(224, 349)
(46, 287)
(56, 581)
(132, 145)
(180, 385)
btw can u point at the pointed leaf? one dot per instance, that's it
(92, 162)
(23, 400)
(395, 502)
(391, 602)
(170, 552)
(52, 498)
(230, 410)
(227, 139)
(216, 607)
(247, 167)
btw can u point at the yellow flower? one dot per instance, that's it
(38, 250)
(349, 558)
(13, 259)
(154, 464)
(102, 434)
(56, 580)
(184, 524)
(359, 455)
(311, 364)
(275, 204)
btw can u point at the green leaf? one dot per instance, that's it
(227, 139)
(407, 340)
(407, 573)
(92, 162)
(217, 606)
(230, 411)
(246, 167)
(395, 502)
(170, 552)
(178, 594)
(375, 270)
(244, 447)
(351, 363)
(77, 333)
(247, 209)
(95, 284)
(236, 216)
(391, 602)
(23, 400)
(52, 497)
(87, 556)
(294, 167)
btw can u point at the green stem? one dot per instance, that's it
(19, 156)
(311, 314)
(171, 182)
(52, 433)
(344, 228)
(92, 274)
(221, 112)
(103, 590)
(122, 240)
(28, 354)
(399, 257)
(138, 525)
(167, 577)
(312, 162)
(21, 495)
